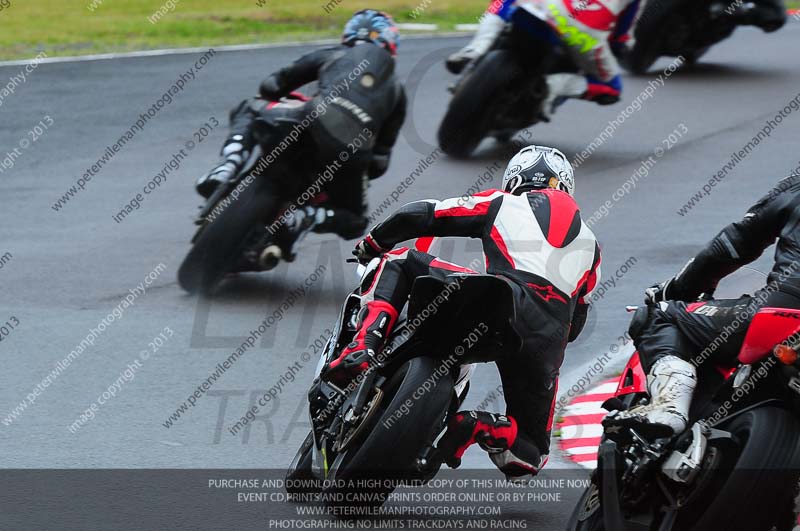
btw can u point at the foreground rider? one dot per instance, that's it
(672, 338)
(534, 240)
(367, 108)
(592, 31)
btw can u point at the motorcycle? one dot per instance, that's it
(380, 430)
(503, 91)
(736, 465)
(232, 232)
(689, 28)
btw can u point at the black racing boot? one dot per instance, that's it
(289, 230)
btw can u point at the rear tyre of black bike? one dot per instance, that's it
(219, 245)
(470, 113)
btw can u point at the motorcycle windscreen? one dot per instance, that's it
(769, 327)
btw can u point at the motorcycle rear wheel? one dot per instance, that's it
(469, 115)
(649, 33)
(219, 245)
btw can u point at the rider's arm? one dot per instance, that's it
(303, 70)
(501, 8)
(624, 23)
(581, 311)
(736, 245)
(391, 127)
(459, 216)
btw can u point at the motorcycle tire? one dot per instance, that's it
(299, 479)
(649, 32)
(219, 245)
(588, 513)
(390, 449)
(469, 115)
(694, 56)
(763, 474)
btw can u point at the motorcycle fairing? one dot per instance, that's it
(633, 379)
(769, 327)
(455, 307)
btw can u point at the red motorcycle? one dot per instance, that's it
(736, 465)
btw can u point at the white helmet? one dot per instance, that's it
(538, 167)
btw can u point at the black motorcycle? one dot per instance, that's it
(237, 222)
(383, 425)
(735, 467)
(688, 28)
(503, 91)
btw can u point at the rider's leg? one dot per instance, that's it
(489, 29)
(674, 341)
(334, 201)
(518, 442)
(600, 81)
(768, 15)
(346, 204)
(236, 149)
(384, 291)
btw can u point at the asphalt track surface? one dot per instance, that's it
(70, 268)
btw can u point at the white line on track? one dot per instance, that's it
(200, 49)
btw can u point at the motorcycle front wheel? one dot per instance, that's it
(758, 479)
(299, 478)
(588, 513)
(752, 488)
(411, 419)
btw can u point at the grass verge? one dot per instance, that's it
(75, 27)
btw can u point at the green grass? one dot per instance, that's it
(69, 27)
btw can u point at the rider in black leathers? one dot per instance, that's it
(358, 111)
(673, 341)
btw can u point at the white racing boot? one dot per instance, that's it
(234, 154)
(671, 383)
(560, 87)
(489, 28)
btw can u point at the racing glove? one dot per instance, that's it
(675, 289)
(658, 293)
(378, 165)
(270, 89)
(367, 249)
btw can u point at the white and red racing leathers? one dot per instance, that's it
(538, 244)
